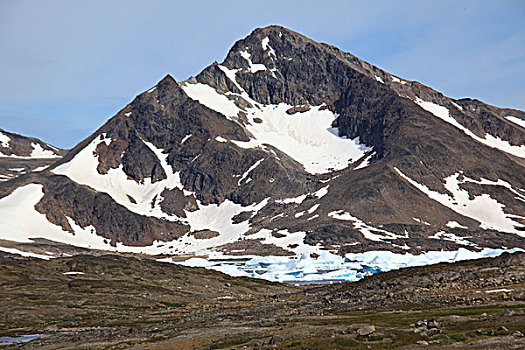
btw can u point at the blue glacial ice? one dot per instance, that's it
(328, 267)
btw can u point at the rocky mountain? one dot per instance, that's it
(20, 154)
(287, 146)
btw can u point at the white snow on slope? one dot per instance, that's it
(489, 140)
(209, 97)
(20, 221)
(215, 218)
(295, 239)
(455, 224)
(4, 140)
(320, 193)
(39, 152)
(488, 211)
(83, 170)
(397, 80)
(421, 221)
(369, 232)
(297, 200)
(500, 182)
(254, 67)
(250, 169)
(516, 120)
(446, 236)
(23, 253)
(40, 168)
(379, 79)
(307, 137)
(457, 106)
(265, 45)
(365, 162)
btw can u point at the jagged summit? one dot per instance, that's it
(287, 146)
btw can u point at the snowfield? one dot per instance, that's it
(307, 137)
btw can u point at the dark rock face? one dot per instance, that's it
(163, 132)
(112, 221)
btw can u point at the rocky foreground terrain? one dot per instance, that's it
(120, 302)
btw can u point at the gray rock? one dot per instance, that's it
(366, 330)
(508, 313)
(432, 324)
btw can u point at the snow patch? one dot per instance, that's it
(266, 46)
(369, 232)
(39, 152)
(291, 241)
(457, 106)
(455, 224)
(379, 79)
(365, 162)
(4, 140)
(185, 138)
(250, 169)
(40, 168)
(489, 140)
(23, 253)
(421, 221)
(297, 200)
(488, 211)
(254, 67)
(215, 218)
(452, 238)
(209, 97)
(397, 80)
(516, 120)
(307, 137)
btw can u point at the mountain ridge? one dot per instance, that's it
(21, 154)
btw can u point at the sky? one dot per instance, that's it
(68, 66)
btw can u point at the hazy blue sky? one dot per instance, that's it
(67, 66)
